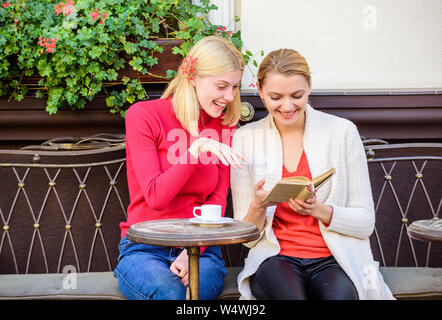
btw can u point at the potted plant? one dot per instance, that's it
(68, 51)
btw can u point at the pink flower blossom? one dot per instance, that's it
(48, 44)
(95, 14)
(221, 29)
(6, 4)
(65, 8)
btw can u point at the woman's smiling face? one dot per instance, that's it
(215, 92)
(285, 97)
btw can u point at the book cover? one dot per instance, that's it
(297, 187)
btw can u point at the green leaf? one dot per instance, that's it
(101, 75)
(71, 97)
(39, 94)
(131, 99)
(111, 101)
(112, 75)
(54, 96)
(237, 42)
(18, 96)
(93, 67)
(130, 47)
(71, 82)
(170, 74)
(136, 63)
(84, 34)
(151, 61)
(118, 63)
(95, 52)
(44, 68)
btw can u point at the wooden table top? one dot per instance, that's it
(427, 230)
(183, 233)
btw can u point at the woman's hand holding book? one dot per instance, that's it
(257, 209)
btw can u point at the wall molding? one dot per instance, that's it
(393, 116)
(400, 116)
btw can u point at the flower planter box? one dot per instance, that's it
(166, 61)
(28, 120)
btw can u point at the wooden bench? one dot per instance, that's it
(60, 213)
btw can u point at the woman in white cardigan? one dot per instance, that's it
(317, 249)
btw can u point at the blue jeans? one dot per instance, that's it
(143, 272)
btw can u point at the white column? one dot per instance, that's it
(225, 15)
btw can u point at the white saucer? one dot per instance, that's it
(211, 224)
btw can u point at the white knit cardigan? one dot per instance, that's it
(329, 141)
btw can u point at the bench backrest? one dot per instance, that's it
(60, 210)
(406, 180)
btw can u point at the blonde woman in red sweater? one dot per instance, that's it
(178, 157)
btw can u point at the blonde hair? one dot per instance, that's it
(284, 61)
(215, 55)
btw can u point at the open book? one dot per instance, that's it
(297, 187)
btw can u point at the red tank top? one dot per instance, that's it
(299, 236)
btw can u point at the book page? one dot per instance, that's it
(299, 180)
(283, 192)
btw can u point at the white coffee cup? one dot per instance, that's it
(209, 212)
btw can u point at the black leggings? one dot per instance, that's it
(287, 278)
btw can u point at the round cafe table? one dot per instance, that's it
(426, 230)
(183, 233)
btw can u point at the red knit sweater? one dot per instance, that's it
(165, 181)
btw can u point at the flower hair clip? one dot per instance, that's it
(187, 66)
